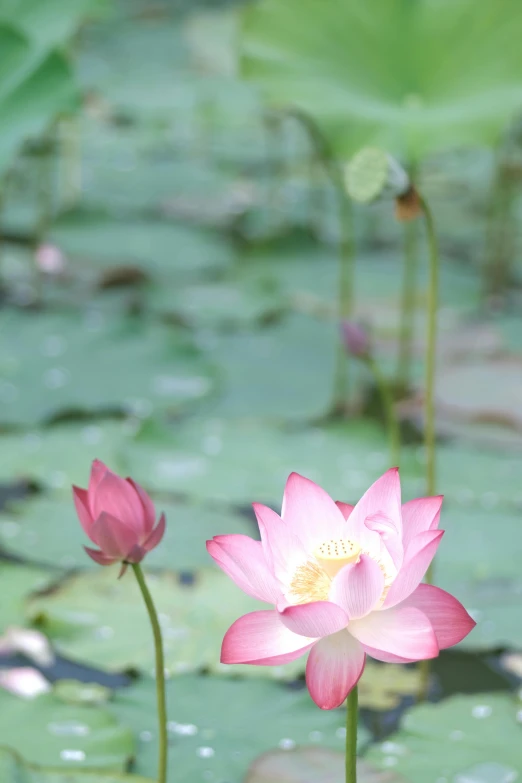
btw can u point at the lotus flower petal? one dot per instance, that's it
(81, 503)
(243, 560)
(316, 619)
(358, 587)
(417, 559)
(450, 621)
(420, 515)
(149, 512)
(156, 535)
(262, 639)
(99, 557)
(304, 503)
(402, 631)
(383, 497)
(334, 667)
(114, 537)
(115, 496)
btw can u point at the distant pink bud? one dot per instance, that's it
(50, 259)
(24, 681)
(356, 339)
(118, 516)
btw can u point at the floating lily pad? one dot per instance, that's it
(242, 461)
(99, 620)
(161, 248)
(465, 395)
(12, 768)
(383, 686)
(312, 765)
(16, 582)
(47, 531)
(268, 373)
(479, 478)
(221, 726)
(147, 366)
(480, 736)
(46, 731)
(60, 456)
(225, 305)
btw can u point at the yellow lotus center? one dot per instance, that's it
(333, 555)
(312, 580)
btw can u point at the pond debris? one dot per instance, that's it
(26, 641)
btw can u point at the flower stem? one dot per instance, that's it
(160, 672)
(351, 736)
(326, 156)
(429, 424)
(407, 305)
(346, 275)
(389, 409)
(431, 351)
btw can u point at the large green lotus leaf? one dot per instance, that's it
(46, 731)
(462, 739)
(16, 582)
(47, 531)
(99, 620)
(48, 23)
(14, 768)
(60, 456)
(410, 77)
(242, 461)
(95, 363)
(15, 59)
(312, 765)
(218, 727)
(26, 112)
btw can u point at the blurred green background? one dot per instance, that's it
(169, 274)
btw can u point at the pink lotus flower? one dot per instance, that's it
(345, 582)
(118, 516)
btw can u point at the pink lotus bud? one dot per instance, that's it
(118, 516)
(356, 339)
(50, 259)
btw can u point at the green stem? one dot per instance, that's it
(407, 305)
(429, 425)
(431, 351)
(160, 673)
(345, 292)
(351, 736)
(326, 156)
(389, 410)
